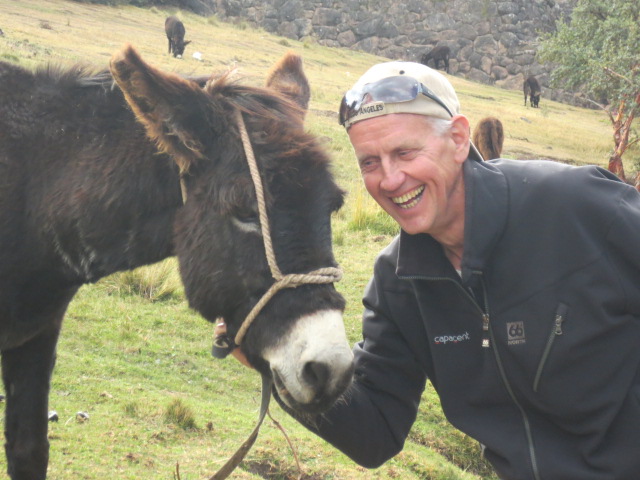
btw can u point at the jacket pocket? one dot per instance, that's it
(556, 331)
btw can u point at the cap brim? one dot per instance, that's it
(420, 106)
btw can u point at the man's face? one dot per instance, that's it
(412, 171)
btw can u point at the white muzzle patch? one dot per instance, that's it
(316, 342)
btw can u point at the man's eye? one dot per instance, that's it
(368, 165)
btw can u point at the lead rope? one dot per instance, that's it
(237, 457)
(292, 280)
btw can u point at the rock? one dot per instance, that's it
(82, 417)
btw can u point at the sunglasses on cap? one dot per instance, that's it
(396, 89)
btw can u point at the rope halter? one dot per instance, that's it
(292, 280)
(321, 275)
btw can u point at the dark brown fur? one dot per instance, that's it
(84, 193)
(175, 31)
(438, 54)
(531, 89)
(287, 74)
(488, 137)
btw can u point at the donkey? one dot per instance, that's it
(531, 89)
(437, 54)
(90, 186)
(174, 29)
(488, 137)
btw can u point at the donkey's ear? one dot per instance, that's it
(287, 77)
(170, 107)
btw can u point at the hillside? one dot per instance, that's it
(37, 31)
(128, 360)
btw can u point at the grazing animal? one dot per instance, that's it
(174, 29)
(84, 192)
(488, 137)
(531, 89)
(438, 54)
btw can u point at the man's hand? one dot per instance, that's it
(221, 329)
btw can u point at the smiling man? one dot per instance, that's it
(513, 286)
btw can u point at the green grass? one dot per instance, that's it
(137, 360)
(160, 281)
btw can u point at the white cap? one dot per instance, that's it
(422, 105)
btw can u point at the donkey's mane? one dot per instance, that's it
(75, 75)
(259, 101)
(82, 75)
(275, 116)
(265, 110)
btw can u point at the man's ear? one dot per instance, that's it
(461, 136)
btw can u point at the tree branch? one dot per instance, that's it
(597, 104)
(616, 74)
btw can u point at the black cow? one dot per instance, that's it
(437, 54)
(174, 29)
(531, 89)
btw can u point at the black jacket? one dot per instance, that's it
(550, 286)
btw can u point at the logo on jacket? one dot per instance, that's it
(515, 333)
(444, 339)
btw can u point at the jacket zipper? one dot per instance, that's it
(525, 418)
(556, 331)
(507, 384)
(487, 339)
(486, 333)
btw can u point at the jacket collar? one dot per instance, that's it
(485, 219)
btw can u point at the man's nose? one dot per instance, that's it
(393, 177)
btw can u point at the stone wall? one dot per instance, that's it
(492, 42)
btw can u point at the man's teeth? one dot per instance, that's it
(410, 199)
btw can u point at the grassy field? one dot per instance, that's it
(134, 357)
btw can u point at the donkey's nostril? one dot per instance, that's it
(315, 374)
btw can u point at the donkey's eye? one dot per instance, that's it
(247, 221)
(246, 215)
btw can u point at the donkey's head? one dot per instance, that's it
(297, 336)
(179, 44)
